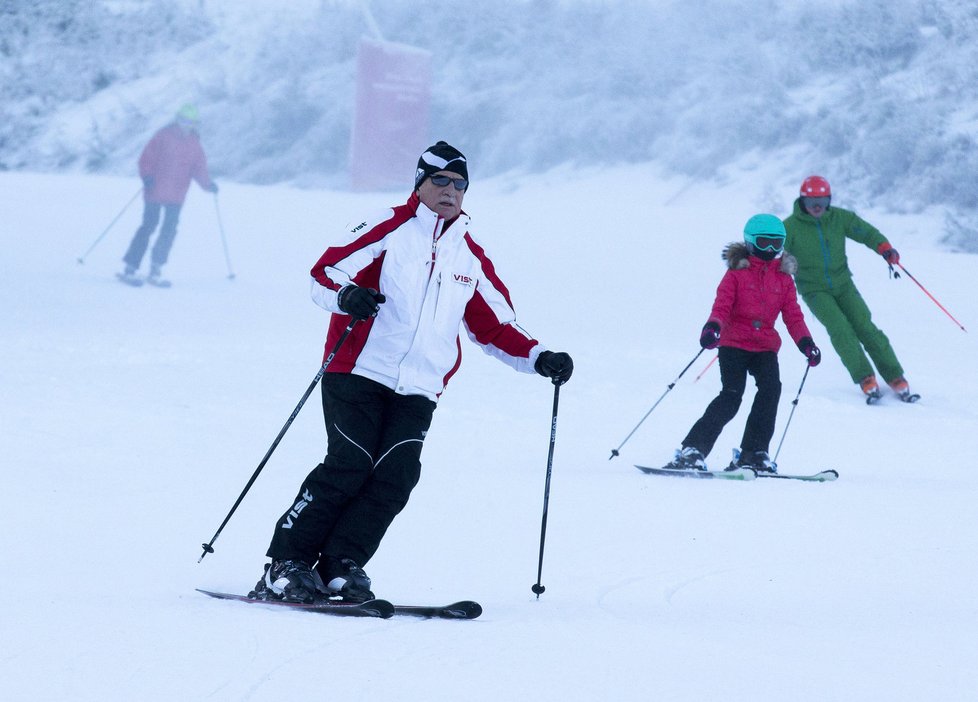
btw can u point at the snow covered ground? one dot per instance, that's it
(131, 419)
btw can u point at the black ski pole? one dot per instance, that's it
(538, 588)
(81, 259)
(614, 452)
(209, 546)
(224, 241)
(794, 404)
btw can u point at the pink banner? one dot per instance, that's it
(390, 125)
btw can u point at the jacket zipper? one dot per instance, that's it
(424, 297)
(825, 252)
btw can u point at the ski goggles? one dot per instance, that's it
(810, 202)
(769, 243)
(442, 180)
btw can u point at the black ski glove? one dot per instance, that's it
(808, 347)
(358, 302)
(710, 336)
(556, 366)
(148, 182)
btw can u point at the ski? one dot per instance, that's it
(466, 609)
(739, 474)
(909, 398)
(821, 477)
(370, 608)
(158, 282)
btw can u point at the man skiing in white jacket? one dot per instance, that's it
(413, 277)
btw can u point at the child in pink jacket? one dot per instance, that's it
(756, 288)
(168, 162)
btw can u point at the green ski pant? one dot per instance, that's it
(849, 323)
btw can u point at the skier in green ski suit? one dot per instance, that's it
(816, 237)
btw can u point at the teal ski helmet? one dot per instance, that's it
(764, 235)
(764, 227)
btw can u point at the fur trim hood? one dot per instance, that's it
(736, 256)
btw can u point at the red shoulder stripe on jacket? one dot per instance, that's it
(334, 254)
(488, 268)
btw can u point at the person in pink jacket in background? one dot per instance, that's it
(756, 288)
(168, 162)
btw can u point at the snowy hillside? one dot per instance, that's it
(131, 419)
(879, 94)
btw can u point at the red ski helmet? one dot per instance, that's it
(815, 186)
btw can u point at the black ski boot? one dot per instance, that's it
(687, 458)
(343, 578)
(757, 461)
(291, 581)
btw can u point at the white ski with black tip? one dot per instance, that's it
(738, 474)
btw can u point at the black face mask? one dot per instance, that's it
(763, 255)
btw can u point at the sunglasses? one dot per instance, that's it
(442, 180)
(769, 243)
(810, 202)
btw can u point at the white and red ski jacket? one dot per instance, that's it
(435, 279)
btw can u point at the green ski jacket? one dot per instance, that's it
(819, 245)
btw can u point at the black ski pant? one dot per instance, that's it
(164, 242)
(373, 461)
(735, 364)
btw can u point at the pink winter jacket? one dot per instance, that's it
(171, 158)
(750, 297)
